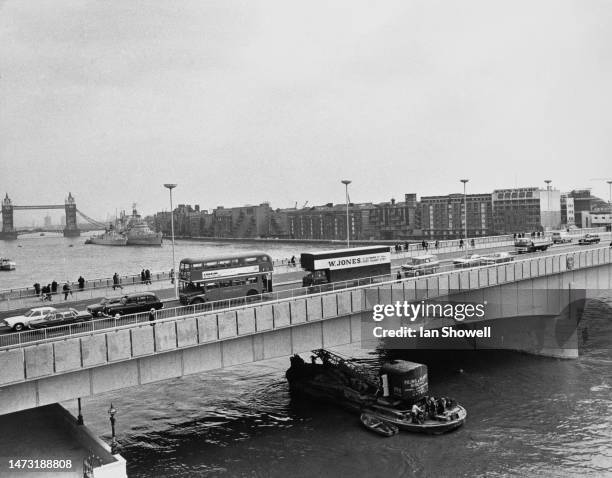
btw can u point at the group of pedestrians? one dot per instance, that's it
(520, 235)
(399, 247)
(145, 276)
(46, 292)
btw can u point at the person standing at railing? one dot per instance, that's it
(172, 276)
(116, 282)
(81, 282)
(143, 278)
(148, 277)
(37, 288)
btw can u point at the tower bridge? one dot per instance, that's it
(8, 228)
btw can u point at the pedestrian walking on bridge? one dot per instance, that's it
(66, 290)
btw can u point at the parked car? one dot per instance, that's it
(589, 239)
(20, 322)
(421, 265)
(60, 317)
(497, 258)
(133, 303)
(98, 309)
(470, 261)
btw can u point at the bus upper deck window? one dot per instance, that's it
(250, 260)
(210, 265)
(235, 262)
(224, 263)
(263, 258)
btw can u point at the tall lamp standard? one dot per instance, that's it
(464, 181)
(346, 182)
(610, 202)
(114, 445)
(548, 181)
(170, 188)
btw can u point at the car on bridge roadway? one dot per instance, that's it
(470, 261)
(60, 317)
(97, 310)
(20, 322)
(497, 258)
(133, 304)
(589, 239)
(421, 265)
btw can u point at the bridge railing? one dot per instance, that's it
(460, 279)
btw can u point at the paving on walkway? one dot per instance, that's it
(40, 434)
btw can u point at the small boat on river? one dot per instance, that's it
(397, 395)
(376, 425)
(7, 264)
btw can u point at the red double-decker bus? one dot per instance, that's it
(224, 277)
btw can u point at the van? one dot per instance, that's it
(560, 237)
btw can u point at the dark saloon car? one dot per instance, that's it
(97, 310)
(133, 303)
(60, 317)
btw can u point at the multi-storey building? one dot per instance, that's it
(526, 209)
(236, 222)
(329, 222)
(443, 217)
(567, 211)
(387, 220)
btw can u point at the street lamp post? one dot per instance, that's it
(175, 275)
(114, 445)
(464, 181)
(548, 211)
(346, 182)
(610, 202)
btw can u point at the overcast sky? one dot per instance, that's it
(252, 101)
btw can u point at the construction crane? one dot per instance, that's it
(304, 204)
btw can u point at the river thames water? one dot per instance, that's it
(527, 415)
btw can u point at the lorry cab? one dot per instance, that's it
(316, 278)
(560, 237)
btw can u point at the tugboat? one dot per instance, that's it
(396, 396)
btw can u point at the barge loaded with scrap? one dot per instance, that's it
(396, 396)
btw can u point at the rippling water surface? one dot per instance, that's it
(527, 416)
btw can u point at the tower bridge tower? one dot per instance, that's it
(71, 229)
(8, 230)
